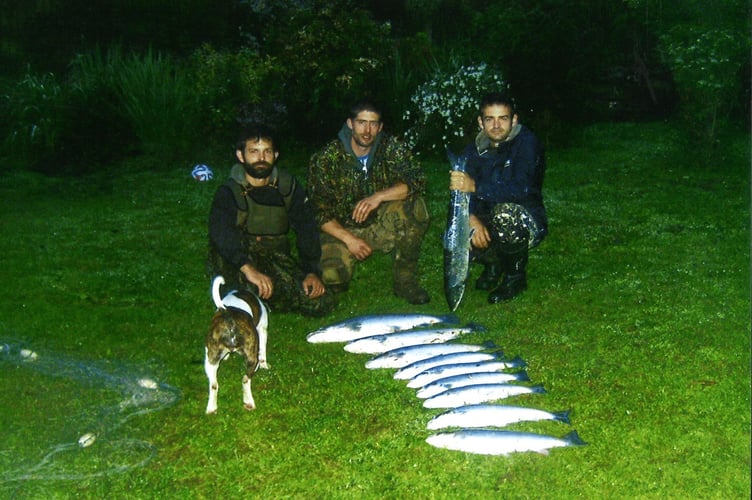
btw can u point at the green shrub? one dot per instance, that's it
(156, 96)
(233, 88)
(36, 114)
(706, 65)
(328, 54)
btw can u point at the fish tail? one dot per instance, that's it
(523, 376)
(538, 389)
(518, 362)
(562, 416)
(574, 439)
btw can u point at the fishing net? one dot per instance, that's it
(65, 419)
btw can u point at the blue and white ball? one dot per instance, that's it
(202, 172)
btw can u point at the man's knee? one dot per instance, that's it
(335, 266)
(334, 272)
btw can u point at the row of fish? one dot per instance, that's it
(458, 377)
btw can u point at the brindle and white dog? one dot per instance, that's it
(240, 326)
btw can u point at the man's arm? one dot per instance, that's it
(359, 248)
(367, 205)
(228, 240)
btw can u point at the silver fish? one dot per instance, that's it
(497, 442)
(457, 240)
(377, 344)
(418, 367)
(429, 375)
(481, 393)
(485, 415)
(403, 356)
(366, 326)
(462, 380)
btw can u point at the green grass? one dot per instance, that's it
(637, 318)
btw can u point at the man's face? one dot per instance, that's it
(365, 127)
(497, 121)
(258, 158)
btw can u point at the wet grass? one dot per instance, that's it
(636, 319)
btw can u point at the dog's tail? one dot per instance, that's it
(218, 281)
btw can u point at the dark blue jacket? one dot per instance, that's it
(511, 173)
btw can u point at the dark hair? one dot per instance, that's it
(255, 132)
(364, 104)
(498, 99)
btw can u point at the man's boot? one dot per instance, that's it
(492, 270)
(406, 284)
(515, 279)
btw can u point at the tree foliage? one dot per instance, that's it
(300, 63)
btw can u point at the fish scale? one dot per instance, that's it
(368, 325)
(489, 415)
(414, 369)
(463, 380)
(480, 393)
(498, 442)
(377, 344)
(457, 240)
(399, 358)
(437, 372)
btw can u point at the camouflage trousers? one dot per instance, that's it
(286, 276)
(399, 227)
(512, 230)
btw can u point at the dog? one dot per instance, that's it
(239, 325)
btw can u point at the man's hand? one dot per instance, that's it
(358, 247)
(261, 280)
(460, 181)
(313, 286)
(365, 206)
(481, 238)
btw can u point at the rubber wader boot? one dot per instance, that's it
(406, 284)
(515, 279)
(492, 270)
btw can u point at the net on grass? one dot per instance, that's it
(79, 432)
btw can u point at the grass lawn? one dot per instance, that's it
(637, 318)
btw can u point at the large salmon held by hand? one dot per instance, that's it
(457, 240)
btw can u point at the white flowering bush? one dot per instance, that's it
(443, 110)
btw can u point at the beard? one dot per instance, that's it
(258, 170)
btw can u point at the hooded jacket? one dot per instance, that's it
(510, 173)
(337, 179)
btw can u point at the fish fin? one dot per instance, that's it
(489, 344)
(562, 416)
(523, 376)
(451, 319)
(574, 439)
(477, 327)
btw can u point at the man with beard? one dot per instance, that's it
(367, 188)
(250, 219)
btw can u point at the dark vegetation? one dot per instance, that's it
(85, 83)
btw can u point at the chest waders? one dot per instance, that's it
(262, 218)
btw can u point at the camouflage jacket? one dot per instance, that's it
(337, 179)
